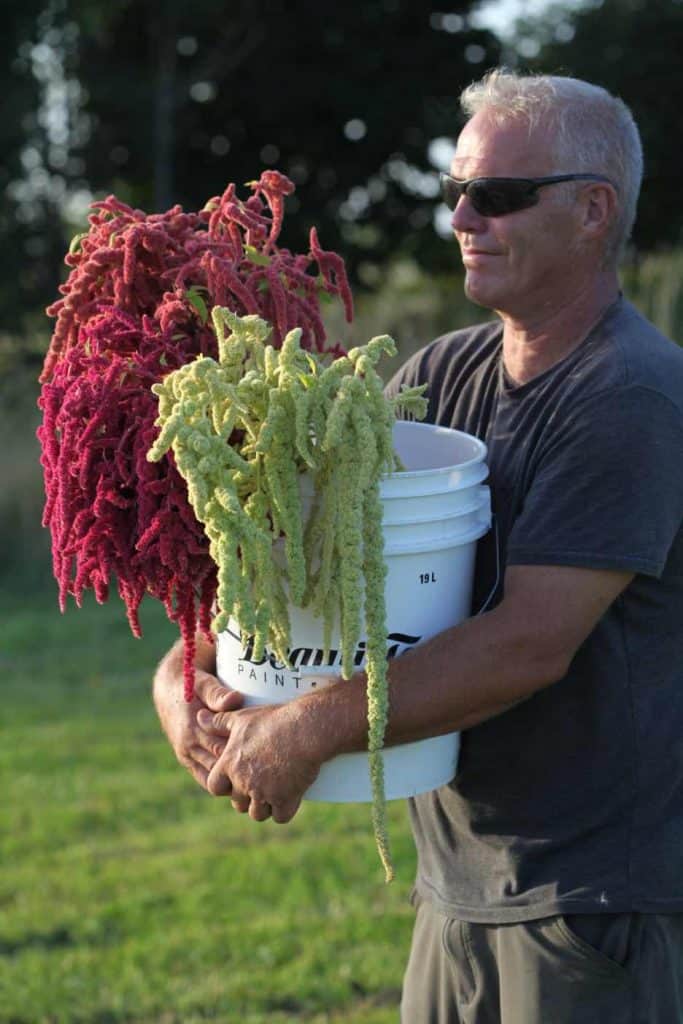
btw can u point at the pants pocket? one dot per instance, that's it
(601, 940)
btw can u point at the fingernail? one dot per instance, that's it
(205, 718)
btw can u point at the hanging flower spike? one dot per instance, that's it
(274, 186)
(215, 208)
(374, 569)
(333, 273)
(94, 520)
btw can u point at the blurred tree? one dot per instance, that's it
(161, 101)
(30, 247)
(632, 48)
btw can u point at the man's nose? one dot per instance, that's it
(465, 218)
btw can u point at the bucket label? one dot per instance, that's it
(310, 669)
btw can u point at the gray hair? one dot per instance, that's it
(593, 131)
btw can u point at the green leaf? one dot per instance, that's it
(196, 300)
(254, 256)
(75, 245)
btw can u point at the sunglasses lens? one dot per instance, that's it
(490, 197)
(451, 191)
(495, 198)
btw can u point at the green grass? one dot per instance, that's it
(129, 895)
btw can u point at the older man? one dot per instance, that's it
(550, 871)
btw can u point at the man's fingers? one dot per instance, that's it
(240, 803)
(282, 813)
(225, 699)
(216, 696)
(198, 772)
(259, 811)
(217, 783)
(204, 757)
(217, 724)
(212, 745)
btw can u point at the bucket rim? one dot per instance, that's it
(389, 480)
(453, 540)
(483, 500)
(479, 445)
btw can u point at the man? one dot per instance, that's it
(550, 871)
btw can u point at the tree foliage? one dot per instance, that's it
(632, 48)
(161, 101)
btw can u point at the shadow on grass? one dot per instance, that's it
(56, 939)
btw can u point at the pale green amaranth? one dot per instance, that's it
(243, 430)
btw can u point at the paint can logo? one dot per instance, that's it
(311, 667)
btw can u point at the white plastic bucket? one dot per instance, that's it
(434, 514)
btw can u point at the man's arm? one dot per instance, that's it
(481, 667)
(461, 677)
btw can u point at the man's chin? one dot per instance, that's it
(479, 294)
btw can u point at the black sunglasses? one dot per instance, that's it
(494, 197)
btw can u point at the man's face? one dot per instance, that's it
(524, 262)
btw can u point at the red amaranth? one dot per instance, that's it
(134, 308)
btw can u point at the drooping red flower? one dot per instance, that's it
(136, 306)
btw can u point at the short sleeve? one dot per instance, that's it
(606, 491)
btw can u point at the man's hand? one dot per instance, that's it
(270, 757)
(194, 748)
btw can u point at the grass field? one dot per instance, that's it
(129, 895)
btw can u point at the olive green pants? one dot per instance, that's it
(578, 969)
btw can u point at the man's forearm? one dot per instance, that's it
(457, 679)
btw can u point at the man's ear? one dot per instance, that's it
(598, 205)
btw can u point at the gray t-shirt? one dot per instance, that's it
(572, 801)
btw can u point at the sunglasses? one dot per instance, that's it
(494, 197)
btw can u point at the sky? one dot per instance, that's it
(500, 15)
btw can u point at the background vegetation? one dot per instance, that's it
(127, 896)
